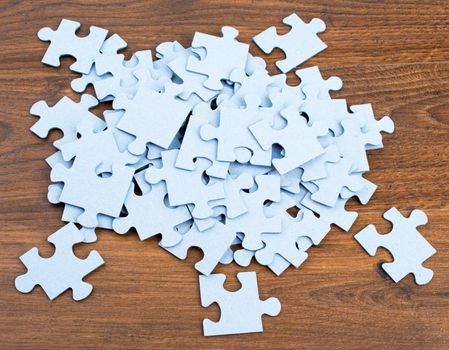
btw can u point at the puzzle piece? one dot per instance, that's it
(111, 46)
(408, 247)
(300, 44)
(315, 168)
(167, 52)
(299, 141)
(152, 117)
(184, 186)
(338, 177)
(254, 222)
(193, 146)
(65, 115)
(233, 186)
(103, 142)
(61, 271)
(64, 42)
(85, 189)
(214, 242)
(352, 144)
(365, 115)
(241, 311)
(233, 133)
(311, 76)
(192, 83)
(150, 216)
(223, 55)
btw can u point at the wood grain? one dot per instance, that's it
(393, 54)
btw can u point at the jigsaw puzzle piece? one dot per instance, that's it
(255, 221)
(241, 311)
(299, 140)
(63, 270)
(300, 44)
(223, 55)
(186, 187)
(65, 42)
(152, 117)
(150, 216)
(315, 168)
(65, 115)
(193, 146)
(407, 246)
(214, 242)
(311, 76)
(233, 133)
(111, 46)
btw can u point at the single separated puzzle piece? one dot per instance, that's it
(408, 247)
(65, 115)
(61, 271)
(241, 311)
(299, 140)
(64, 41)
(300, 44)
(223, 55)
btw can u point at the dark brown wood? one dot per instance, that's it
(394, 54)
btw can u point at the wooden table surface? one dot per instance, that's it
(394, 54)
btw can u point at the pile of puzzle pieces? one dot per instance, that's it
(204, 147)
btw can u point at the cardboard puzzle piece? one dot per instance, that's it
(338, 177)
(96, 195)
(352, 144)
(214, 242)
(193, 146)
(152, 117)
(167, 52)
(223, 55)
(311, 76)
(63, 270)
(315, 168)
(408, 247)
(233, 134)
(241, 311)
(255, 222)
(299, 140)
(65, 42)
(111, 46)
(185, 186)
(65, 115)
(299, 44)
(149, 215)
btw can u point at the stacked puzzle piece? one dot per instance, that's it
(219, 150)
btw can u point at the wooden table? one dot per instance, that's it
(392, 54)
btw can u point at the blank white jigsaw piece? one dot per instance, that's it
(408, 247)
(299, 44)
(214, 242)
(63, 270)
(241, 311)
(65, 42)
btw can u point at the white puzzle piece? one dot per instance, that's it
(65, 42)
(407, 246)
(63, 270)
(241, 311)
(299, 44)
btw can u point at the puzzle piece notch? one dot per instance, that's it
(241, 311)
(63, 270)
(214, 242)
(65, 115)
(64, 41)
(299, 44)
(407, 246)
(223, 55)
